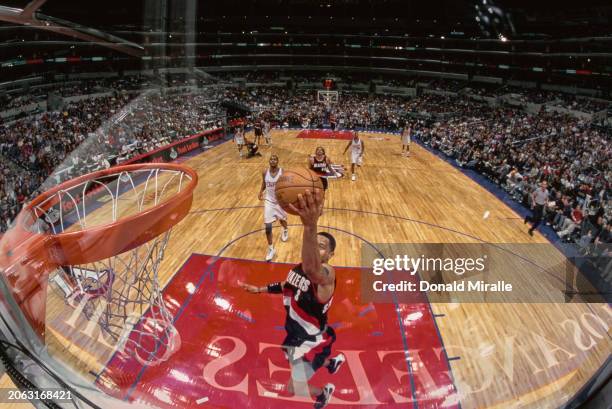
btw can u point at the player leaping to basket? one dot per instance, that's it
(357, 151)
(307, 296)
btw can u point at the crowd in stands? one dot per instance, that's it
(511, 147)
(493, 90)
(445, 105)
(7, 102)
(113, 85)
(36, 145)
(74, 88)
(514, 149)
(128, 83)
(404, 82)
(299, 108)
(39, 93)
(483, 89)
(525, 95)
(14, 188)
(447, 85)
(346, 79)
(517, 151)
(530, 95)
(84, 136)
(574, 103)
(248, 76)
(156, 120)
(554, 98)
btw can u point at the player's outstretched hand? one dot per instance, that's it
(248, 287)
(310, 207)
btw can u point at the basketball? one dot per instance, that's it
(294, 182)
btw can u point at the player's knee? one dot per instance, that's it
(301, 371)
(268, 228)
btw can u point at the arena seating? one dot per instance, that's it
(511, 147)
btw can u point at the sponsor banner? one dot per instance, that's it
(237, 122)
(172, 151)
(166, 153)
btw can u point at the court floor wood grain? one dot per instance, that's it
(504, 355)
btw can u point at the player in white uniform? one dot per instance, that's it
(406, 131)
(239, 139)
(272, 210)
(266, 132)
(357, 151)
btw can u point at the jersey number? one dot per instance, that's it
(326, 306)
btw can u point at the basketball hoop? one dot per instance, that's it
(327, 97)
(102, 237)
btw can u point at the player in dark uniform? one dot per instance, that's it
(332, 122)
(258, 130)
(307, 296)
(252, 148)
(321, 164)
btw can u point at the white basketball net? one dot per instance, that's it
(327, 97)
(121, 293)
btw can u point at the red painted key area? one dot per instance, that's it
(230, 356)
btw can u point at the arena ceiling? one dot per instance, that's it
(483, 18)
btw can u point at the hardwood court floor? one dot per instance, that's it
(502, 355)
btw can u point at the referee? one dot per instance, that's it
(539, 199)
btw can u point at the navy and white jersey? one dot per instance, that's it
(306, 315)
(320, 166)
(257, 127)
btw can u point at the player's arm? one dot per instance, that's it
(311, 206)
(310, 162)
(362, 147)
(272, 288)
(347, 146)
(328, 165)
(311, 259)
(263, 185)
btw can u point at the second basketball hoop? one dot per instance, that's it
(327, 97)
